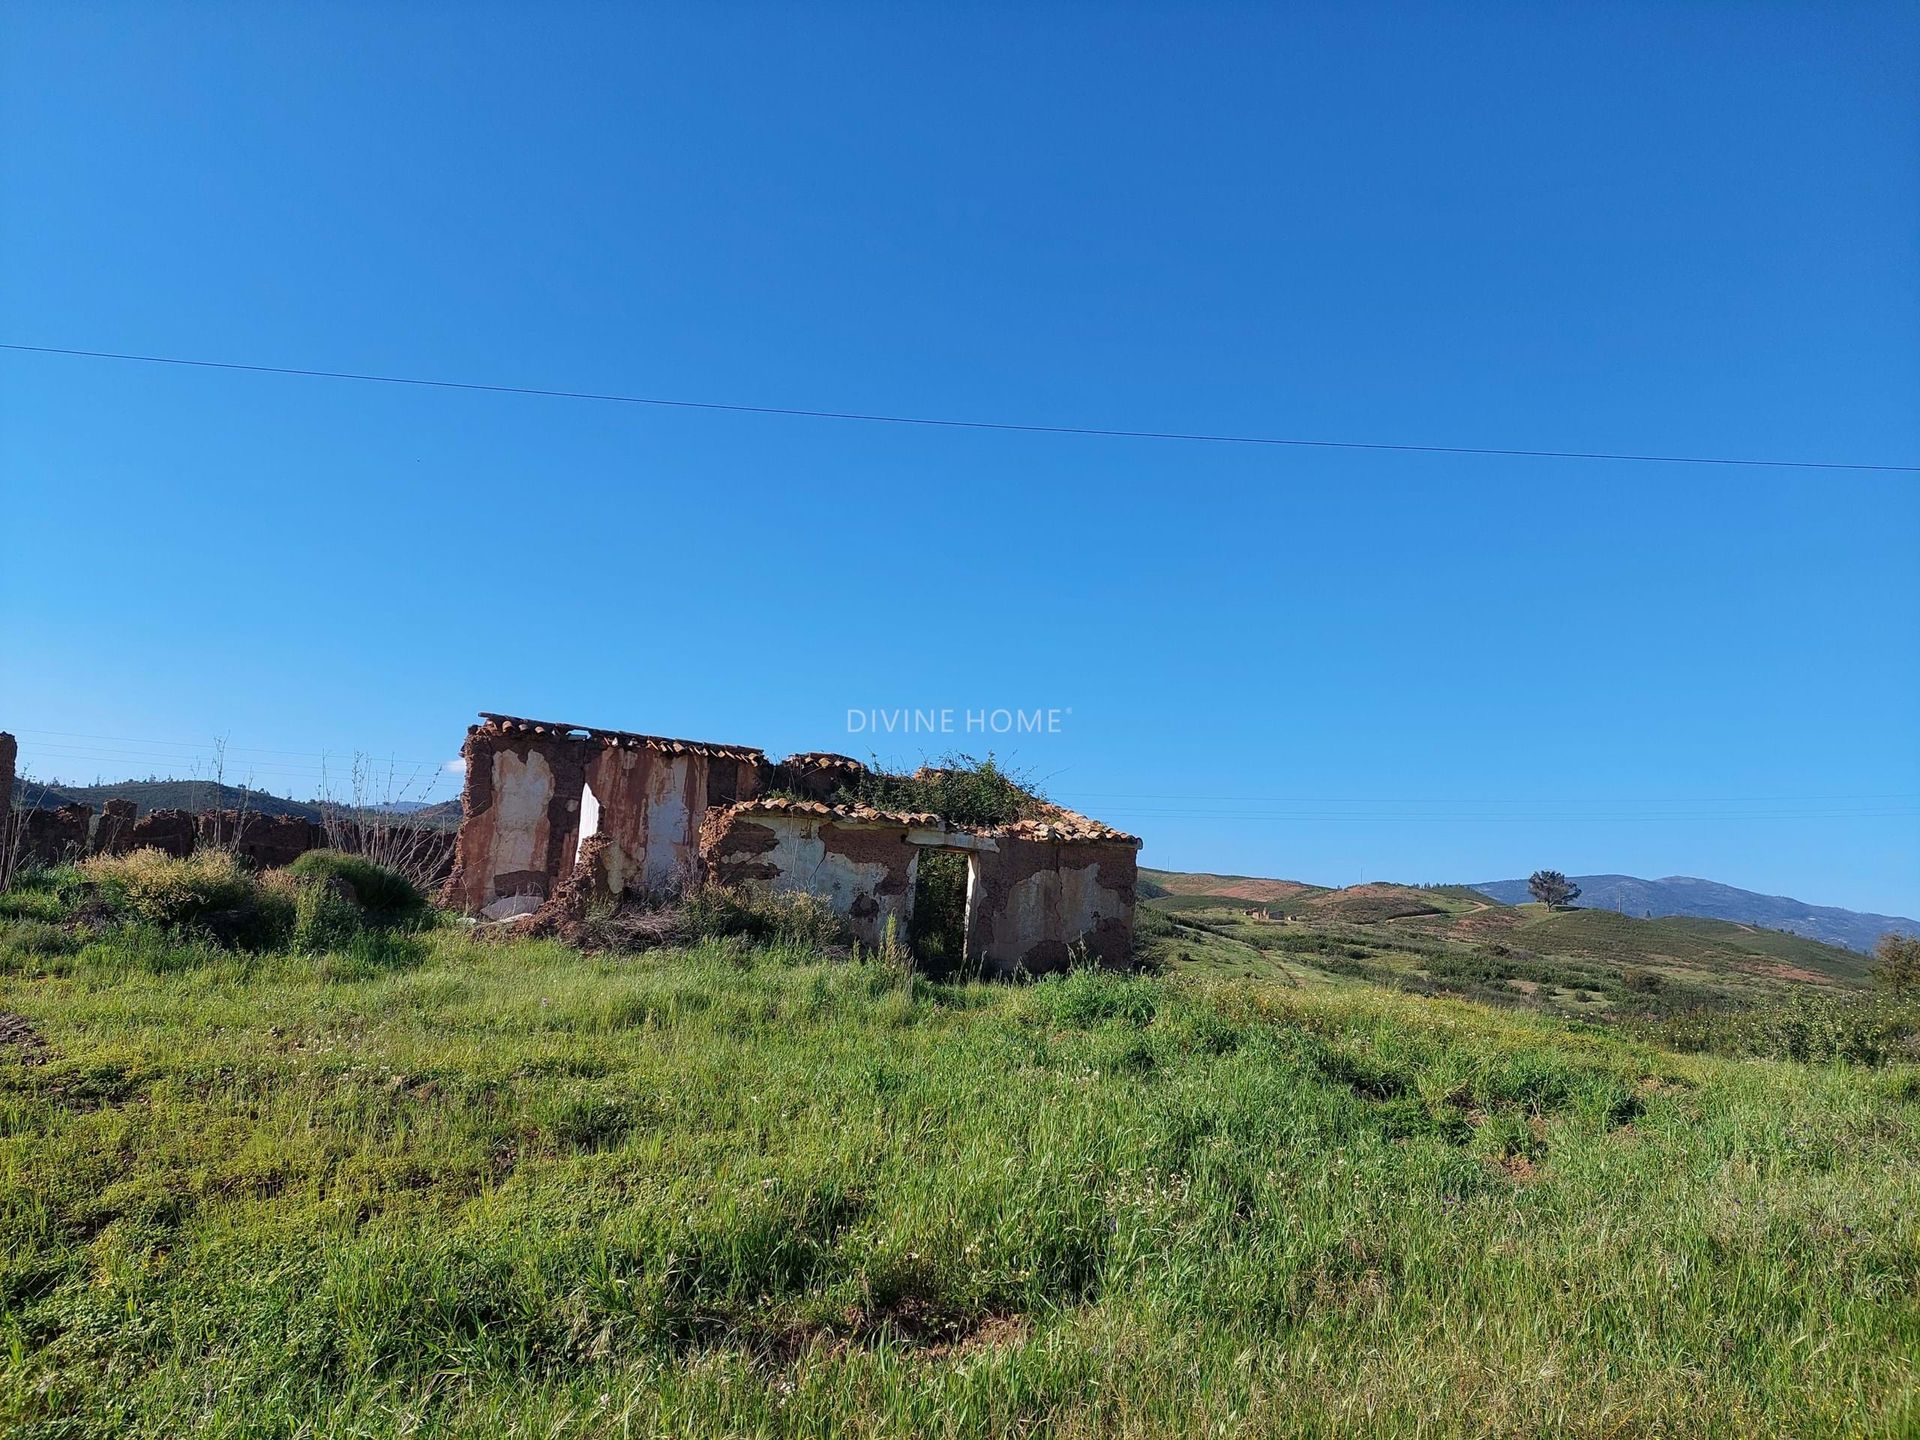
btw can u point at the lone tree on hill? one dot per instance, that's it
(1899, 967)
(1552, 889)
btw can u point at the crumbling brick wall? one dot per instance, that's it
(48, 836)
(425, 855)
(263, 841)
(171, 831)
(861, 862)
(518, 808)
(1031, 901)
(9, 754)
(55, 837)
(533, 787)
(114, 834)
(267, 842)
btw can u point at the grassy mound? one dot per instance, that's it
(517, 1190)
(386, 896)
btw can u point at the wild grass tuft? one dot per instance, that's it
(162, 889)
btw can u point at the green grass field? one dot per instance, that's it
(435, 1187)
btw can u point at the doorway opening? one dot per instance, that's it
(937, 925)
(589, 820)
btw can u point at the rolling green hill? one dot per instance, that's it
(1457, 941)
(1710, 900)
(1690, 943)
(1250, 888)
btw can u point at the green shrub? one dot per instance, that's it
(789, 917)
(387, 896)
(1860, 1029)
(1150, 922)
(209, 891)
(153, 886)
(962, 789)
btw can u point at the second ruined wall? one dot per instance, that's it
(649, 804)
(1031, 901)
(863, 869)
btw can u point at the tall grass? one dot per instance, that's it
(511, 1190)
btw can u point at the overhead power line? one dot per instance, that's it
(946, 423)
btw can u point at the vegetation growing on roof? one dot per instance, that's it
(961, 789)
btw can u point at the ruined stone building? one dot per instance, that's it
(634, 815)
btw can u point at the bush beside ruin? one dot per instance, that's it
(323, 901)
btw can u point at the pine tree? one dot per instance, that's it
(1552, 889)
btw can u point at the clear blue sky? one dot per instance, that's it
(1645, 227)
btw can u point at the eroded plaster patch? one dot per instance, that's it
(673, 820)
(803, 855)
(1061, 904)
(523, 788)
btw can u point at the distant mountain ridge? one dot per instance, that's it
(147, 795)
(1710, 900)
(199, 795)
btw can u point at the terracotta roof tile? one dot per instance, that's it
(865, 814)
(823, 760)
(519, 725)
(1057, 823)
